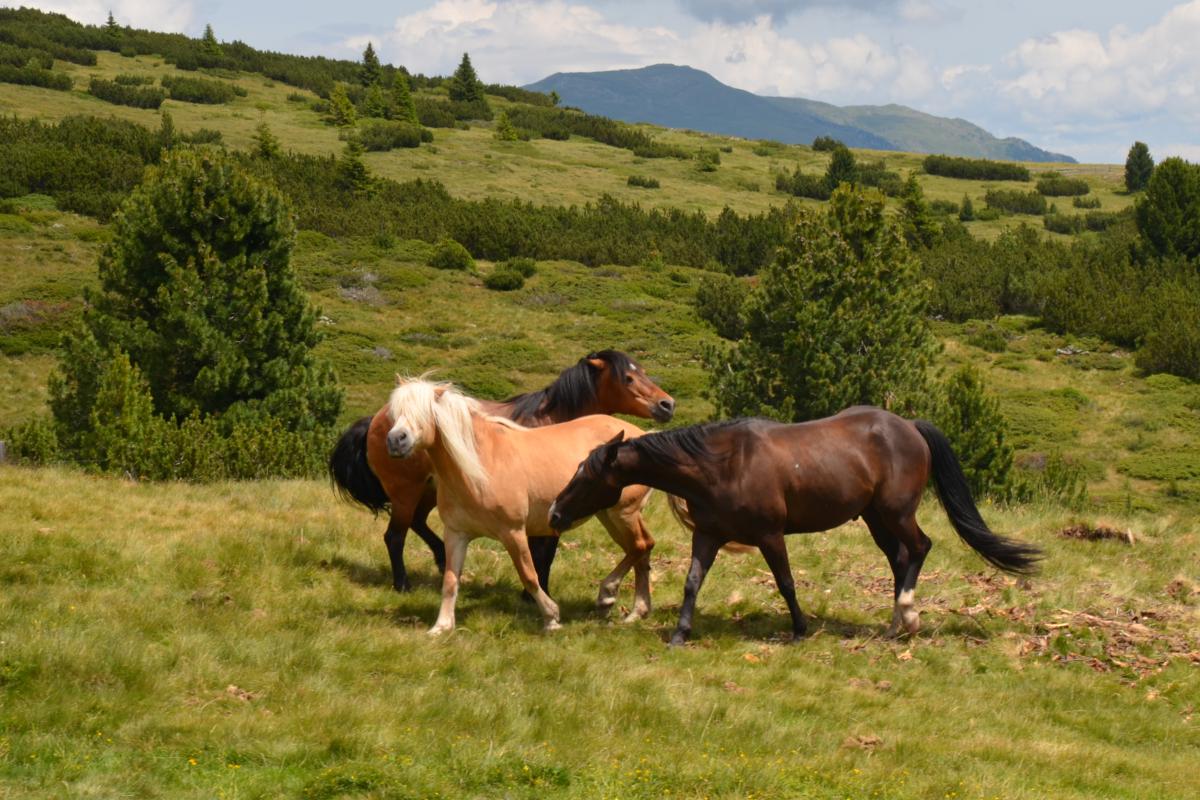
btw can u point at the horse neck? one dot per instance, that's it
(447, 470)
(512, 410)
(687, 481)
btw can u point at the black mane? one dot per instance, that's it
(570, 394)
(674, 447)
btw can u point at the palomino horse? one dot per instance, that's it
(498, 479)
(607, 382)
(751, 481)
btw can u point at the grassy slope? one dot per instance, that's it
(134, 618)
(123, 623)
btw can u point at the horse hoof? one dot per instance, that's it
(678, 640)
(402, 587)
(551, 626)
(438, 630)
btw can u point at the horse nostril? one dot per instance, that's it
(667, 405)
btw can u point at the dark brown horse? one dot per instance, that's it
(751, 481)
(606, 382)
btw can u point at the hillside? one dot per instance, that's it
(682, 97)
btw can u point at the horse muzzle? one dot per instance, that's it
(400, 444)
(663, 410)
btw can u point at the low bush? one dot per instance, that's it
(504, 280)
(976, 169)
(126, 79)
(719, 301)
(826, 144)
(199, 90)
(1055, 185)
(526, 267)
(1015, 201)
(35, 76)
(1086, 202)
(449, 254)
(643, 182)
(707, 160)
(382, 135)
(135, 96)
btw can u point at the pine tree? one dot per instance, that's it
(972, 421)
(916, 219)
(374, 105)
(1168, 214)
(266, 144)
(403, 107)
(1139, 166)
(167, 137)
(842, 168)
(837, 319)
(370, 71)
(352, 174)
(209, 43)
(197, 289)
(340, 108)
(464, 85)
(505, 132)
(966, 212)
(111, 28)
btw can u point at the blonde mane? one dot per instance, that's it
(438, 404)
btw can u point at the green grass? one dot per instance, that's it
(240, 640)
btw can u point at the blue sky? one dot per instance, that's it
(1085, 78)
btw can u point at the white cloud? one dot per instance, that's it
(519, 41)
(157, 15)
(1081, 74)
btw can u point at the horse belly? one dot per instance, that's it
(823, 501)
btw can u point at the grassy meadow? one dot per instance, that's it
(241, 640)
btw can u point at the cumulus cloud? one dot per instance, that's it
(517, 40)
(158, 15)
(1124, 75)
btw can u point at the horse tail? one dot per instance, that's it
(351, 474)
(1007, 554)
(679, 510)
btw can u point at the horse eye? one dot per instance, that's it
(629, 379)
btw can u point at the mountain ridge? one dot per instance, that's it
(684, 97)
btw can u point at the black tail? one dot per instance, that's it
(350, 473)
(1009, 555)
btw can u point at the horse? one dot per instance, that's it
(604, 382)
(750, 481)
(496, 478)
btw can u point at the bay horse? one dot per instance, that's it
(603, 382)
(496, 478)
(750, 481)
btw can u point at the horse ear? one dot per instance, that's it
(610, 448)
(597, 363)
(438, 391)
(399, 379)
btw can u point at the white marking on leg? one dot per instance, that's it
(908, 615)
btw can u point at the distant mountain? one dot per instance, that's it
(682, 97)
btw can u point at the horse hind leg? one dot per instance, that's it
(629, 531)
(774, 550)
(911, 546)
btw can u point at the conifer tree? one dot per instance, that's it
(374, 105)
(340, 108)
(842, 168)
(1168, 214)
(266, 144)
(352, 174)
(465, 85)
(966, 211)
(197, 291)
(505, 132)
(837, 319)
(370, 71)
(972, 421)
(403, 108)
(1139, 166)
(916, 219)
(209, 43)
(111, 28)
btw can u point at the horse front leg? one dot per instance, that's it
(456, 555)
(628, 530)
(704, 550)
(420, 524)
(774, 550)
(517, 546)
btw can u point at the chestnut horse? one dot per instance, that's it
(751, 481)
(606, 382)
(496, 478)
